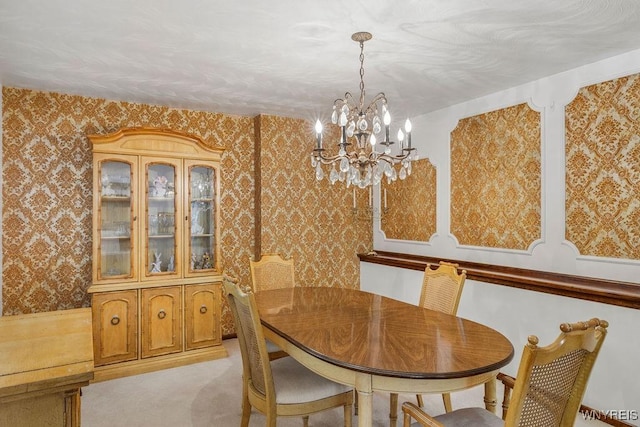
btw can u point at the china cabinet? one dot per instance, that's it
(156, 291)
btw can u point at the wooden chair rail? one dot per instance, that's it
(623, 294)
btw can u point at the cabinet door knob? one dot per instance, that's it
(203, 309)
(115, 320)
(162, 314)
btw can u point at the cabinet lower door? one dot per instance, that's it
(115, 326)
(161, 321)
(202, 314)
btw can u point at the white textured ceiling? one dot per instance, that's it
(294, 57)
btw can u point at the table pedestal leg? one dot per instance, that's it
(490, 395)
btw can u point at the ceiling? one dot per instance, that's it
(294, 57)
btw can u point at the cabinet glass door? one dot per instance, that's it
(201, 219)
(161, 230)
(115, 215)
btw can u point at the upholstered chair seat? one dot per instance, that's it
(467, 417)
(296, 384)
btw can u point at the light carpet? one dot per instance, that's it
(208, 394)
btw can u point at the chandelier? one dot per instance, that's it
(364, 149)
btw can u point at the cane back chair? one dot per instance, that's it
(548, 388)
(441, 291)
(282, 387)
(272, 272)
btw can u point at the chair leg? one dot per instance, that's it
(393, 409)
(446, 399)
(246, 411)
(419, 399)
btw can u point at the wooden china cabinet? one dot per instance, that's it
(156, 292)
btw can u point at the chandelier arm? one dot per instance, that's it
(325, 160)
(351, 102)
(373, 105)
(397, 158)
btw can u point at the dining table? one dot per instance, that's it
(378, 344)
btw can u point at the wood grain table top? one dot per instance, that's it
(373, 334)
(45, 350)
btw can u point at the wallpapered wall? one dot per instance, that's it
(495, 179)
(603, 169)
(411, 204)
(47, 193)
(495, 186)
(302, 217)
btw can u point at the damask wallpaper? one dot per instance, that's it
(301, 217)
(47, 195)
(495, 179)
(410, 212)
(603, 169)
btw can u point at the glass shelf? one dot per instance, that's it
(202, 186)
(161, 211)
(116, 217)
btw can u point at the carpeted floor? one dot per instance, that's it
(208, 395)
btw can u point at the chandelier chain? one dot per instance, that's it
(361, 73)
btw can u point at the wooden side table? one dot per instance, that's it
(45, 358)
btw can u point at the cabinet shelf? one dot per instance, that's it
(106, 238)
(115, 199)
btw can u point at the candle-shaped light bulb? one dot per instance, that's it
(318, 134)
(407, 127)
(372, 140)
(387, 121)
(401, 138)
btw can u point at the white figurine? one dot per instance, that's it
(155, 266)
(196, 227)
(171, 266)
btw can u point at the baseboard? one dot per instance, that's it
(135, 367)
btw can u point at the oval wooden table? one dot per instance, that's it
(374, 343)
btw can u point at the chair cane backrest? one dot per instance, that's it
(255, 359)
(442, 288)
(272, 272)
(549, 386)
(551, 380)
